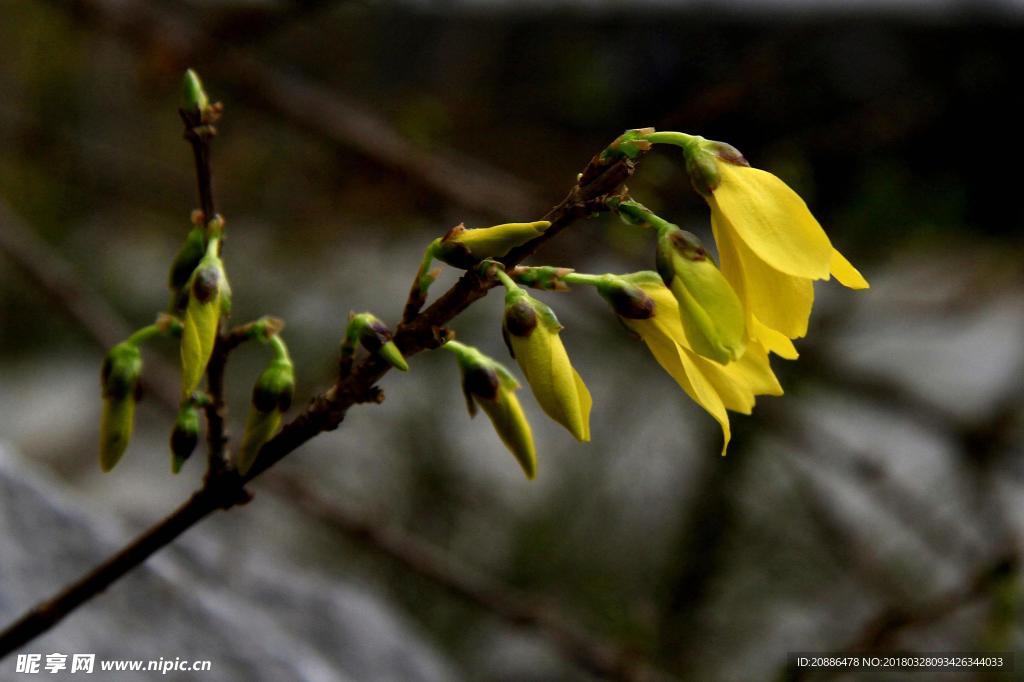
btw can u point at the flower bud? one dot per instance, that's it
(464, 248)
(271, 397)
(119, 379)
(376, 338)
(531, 332)
(184, 265)
(185, 435)
(207, 293)
(711, 312)
(627, 299)
(489, 385)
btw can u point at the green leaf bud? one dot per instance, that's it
(193, 95)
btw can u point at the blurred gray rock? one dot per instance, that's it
(264, 620)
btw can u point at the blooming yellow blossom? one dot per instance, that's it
(531, 330)
(715, 387)
(770, 246)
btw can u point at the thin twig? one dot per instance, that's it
(516, 608)
(324, 413)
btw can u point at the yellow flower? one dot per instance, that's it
(648, 308)
(531, 331)
(488, 384)
(770, 246)
(464, 248)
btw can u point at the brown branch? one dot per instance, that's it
(414, 555)
(324, 413)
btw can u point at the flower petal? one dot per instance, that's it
(847, 275)
(782, 302)
(774, 341)
(772, 220)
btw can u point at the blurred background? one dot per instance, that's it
(876, 506)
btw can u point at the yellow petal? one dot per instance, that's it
(755, 371)
(780, 301)
(660, 333)
(774, 341)
(772, 220)
(554, 382)
(506, 414)
(847, 275)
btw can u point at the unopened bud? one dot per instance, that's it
(464, 248)
(488, 384)
(185, 435)
(627, 299)
(207, 289)
(711, 312)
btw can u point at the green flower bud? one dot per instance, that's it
(464, 248)
(119, 378)
(185, 435)
(119, 375)
(711, 312)
(116, 426)
(531, 331)
(184, 265)
(271, 397)
(627, 299)
(207, 289)
(376, 338)
(488, 384)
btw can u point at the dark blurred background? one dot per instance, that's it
(876, 506)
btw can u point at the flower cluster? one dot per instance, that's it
(711, 326)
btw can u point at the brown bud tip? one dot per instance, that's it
(205, 284)
(688, 245)
(520, 318)
(630, 302)
(481, 382)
